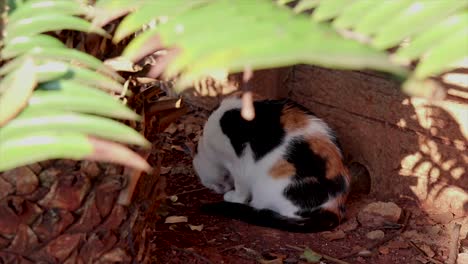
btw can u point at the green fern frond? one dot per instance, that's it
(50, 105)
(232, 35)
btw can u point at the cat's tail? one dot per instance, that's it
(316, 221)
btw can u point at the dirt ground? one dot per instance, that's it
(418, 237)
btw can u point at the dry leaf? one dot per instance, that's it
(384, 250)
(176, 219)
(398, 244)
(334, 235)
(171, 129)
(179, 148)
(427, 249)
(196, 227)
(122, 64)
(350, 225)
(365, 253)
(146, 80)
(311, 256)
(165, 170)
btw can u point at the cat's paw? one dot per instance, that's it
(220, 188)
(234, 197)
(217, 188)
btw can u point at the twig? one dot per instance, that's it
(191, 191)
(383, 241)
(424, 253)
(164, 105)
(192, 253)
(339, 261)
(234, 247)
(294, 247)
(454, 237)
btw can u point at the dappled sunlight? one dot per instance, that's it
(440, 162)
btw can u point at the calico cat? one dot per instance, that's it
(283, 169)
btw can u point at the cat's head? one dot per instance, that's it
(211, 174)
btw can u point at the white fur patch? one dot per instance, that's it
(216, 158)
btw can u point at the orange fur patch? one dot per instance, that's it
(328, 151)
(282, 169)
(293, 119)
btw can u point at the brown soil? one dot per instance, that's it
(229, 241)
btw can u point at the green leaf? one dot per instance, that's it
(444, 56)
(72, 55)
(226, 39)
(329, 9)
(304, 5)
(14, 4)
(12, 65)
(37, 147)
(378, 16)
(107, 10)
(420, 15)
(74, 88)
(63, 54)
(284, 2)
(16, 90)
(311, 256)
(20, 45)
(37, 8)
(52, 70)
(321, 47)
(353, 13)
(135, 20)
(72, 122)
(66, 99)
(196, 19)
(431, 37)
(46, 22)
(426, 88)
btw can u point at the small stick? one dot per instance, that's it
(191, 191)
(234, 247)
(424, 253)
(323, 255)
(294, 247)
(164, 105)
(454, 237)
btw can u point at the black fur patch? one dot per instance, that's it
(264, 133)
(318, 220)
(310, 187)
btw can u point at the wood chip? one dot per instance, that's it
(196, 227)
(176, 219)
(334, 235)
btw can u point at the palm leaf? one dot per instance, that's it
(233, 35)
(230, 36)
(50, 104)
